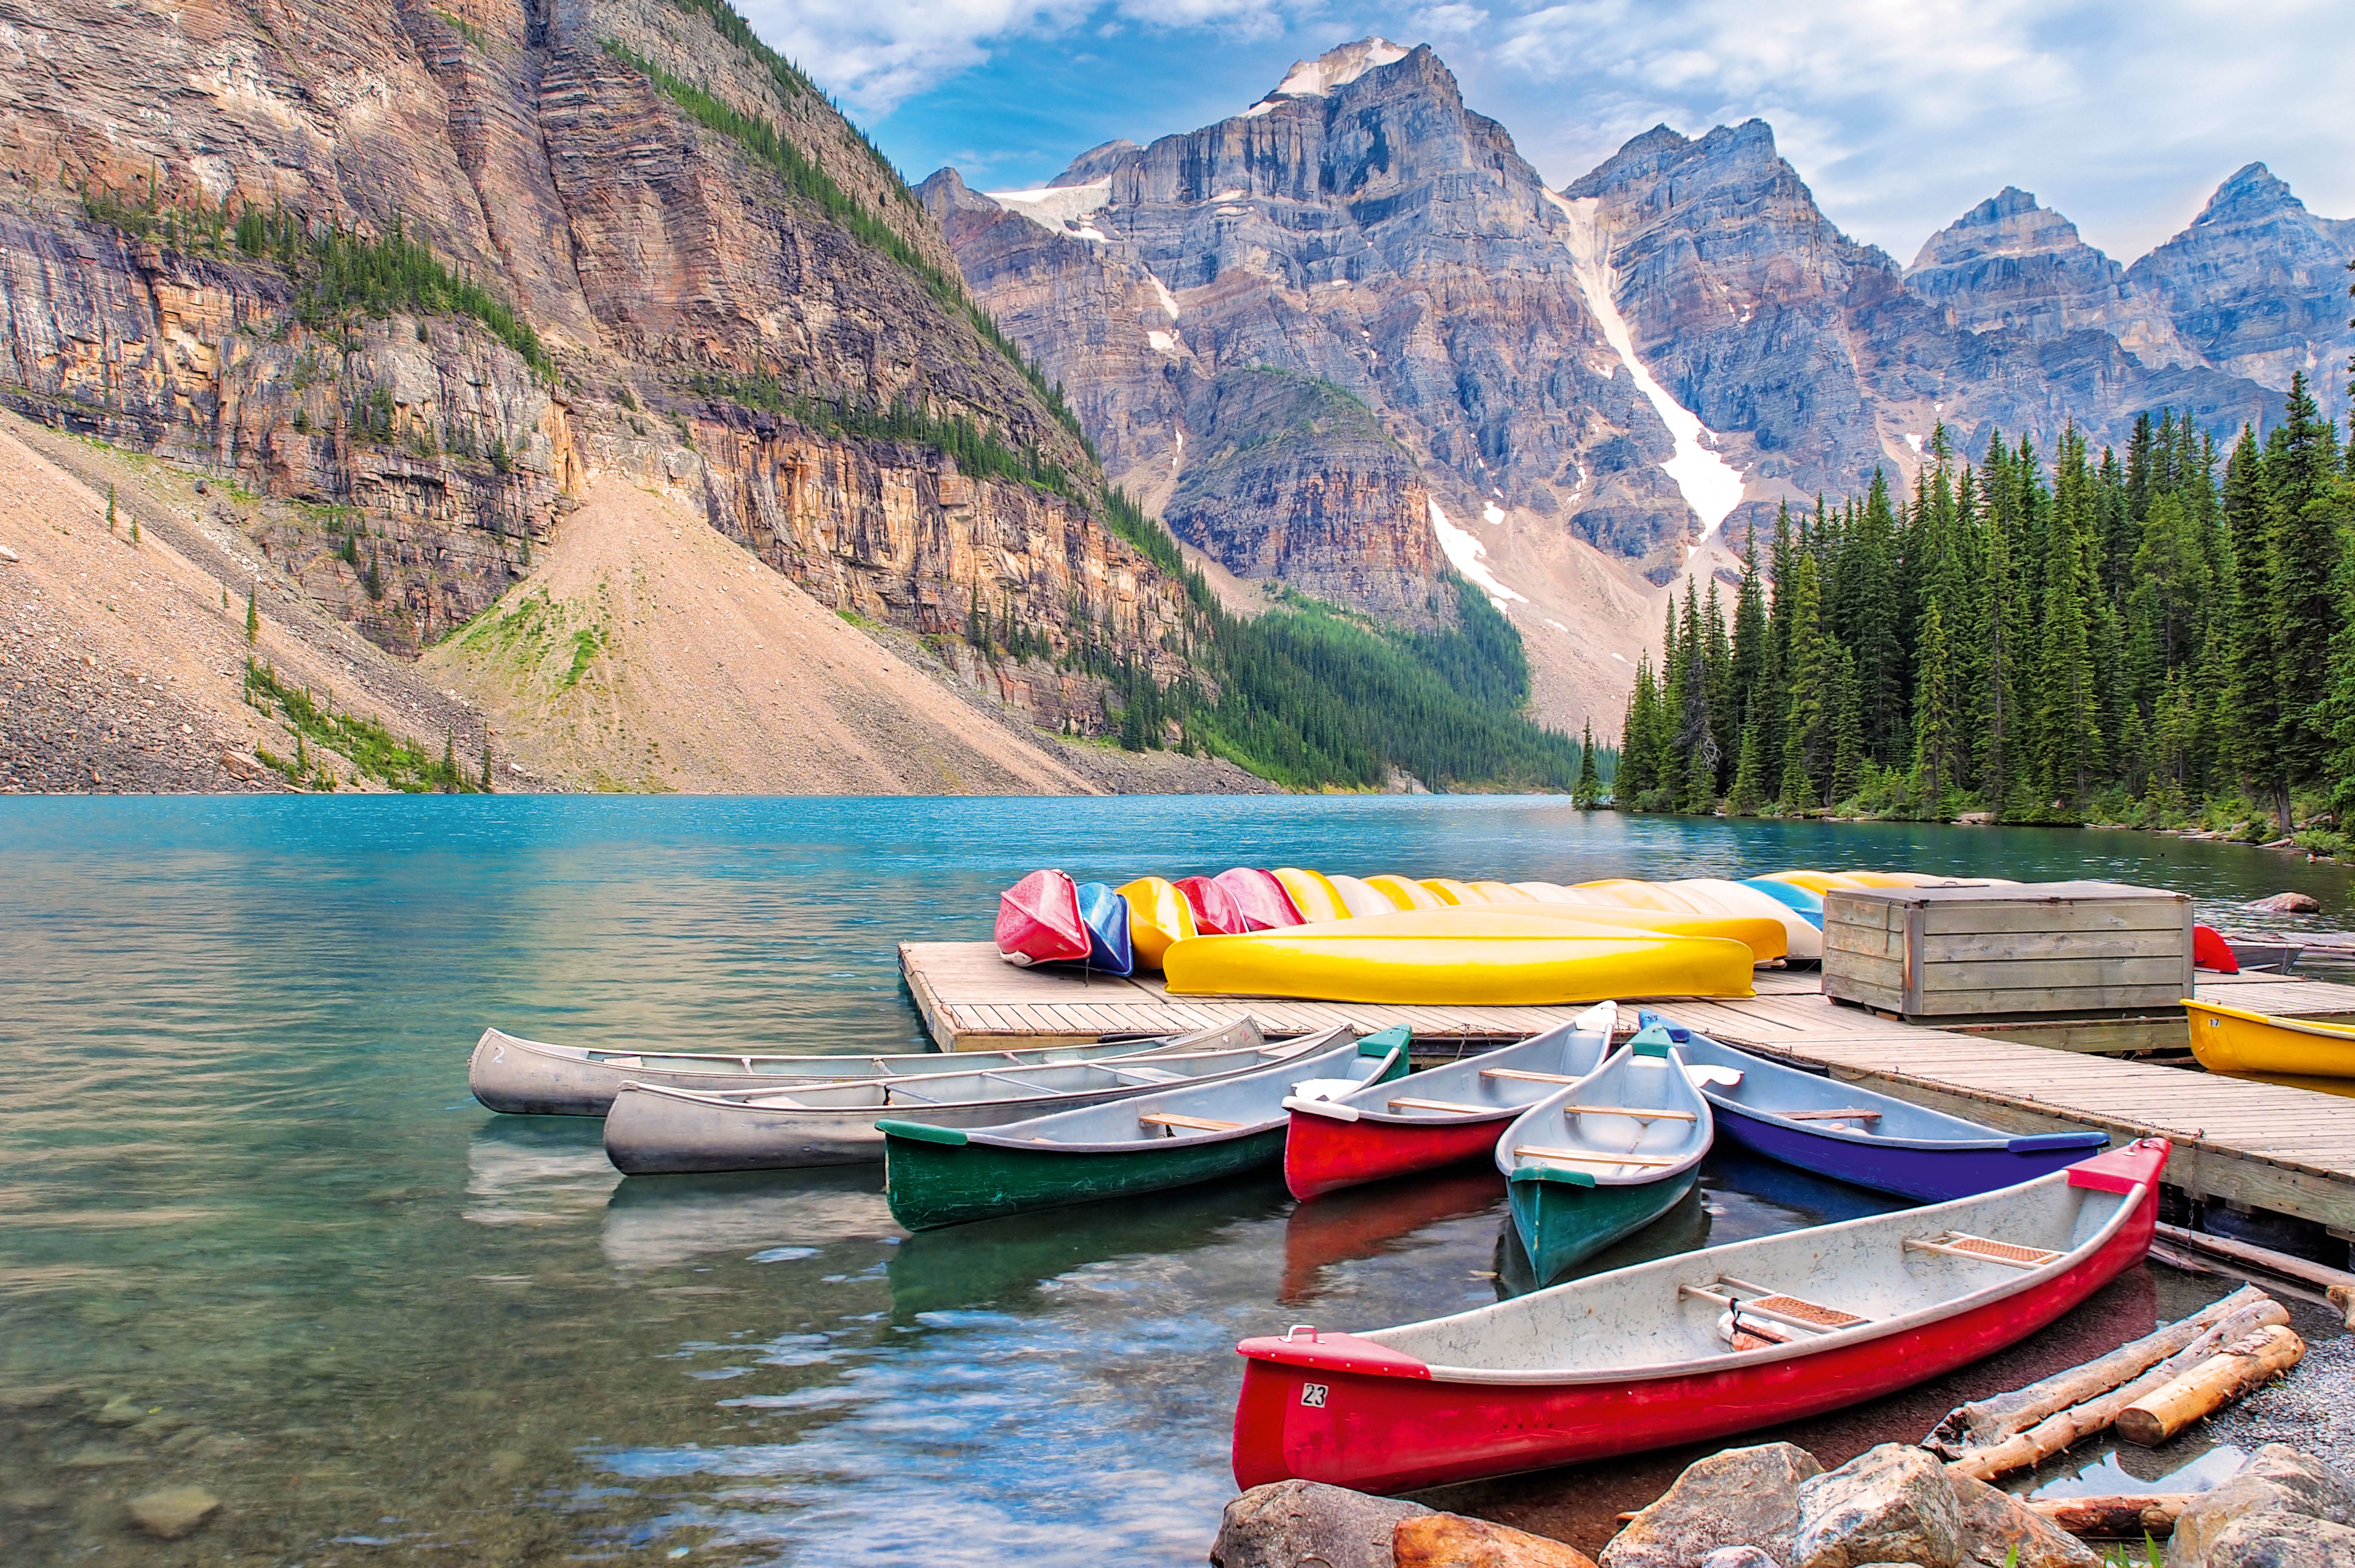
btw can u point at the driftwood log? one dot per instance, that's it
(2115, 1517)
(1983, 1423)
(2247, 1363)
(2057, 1432)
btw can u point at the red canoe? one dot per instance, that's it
(1694, 1348)
(1215, 914)
(1436, 1117)
(2210, 951)
(1259, 898)
(1038, 920)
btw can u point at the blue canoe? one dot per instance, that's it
(1808, 905)
(1873, 1140)
(1106, 914)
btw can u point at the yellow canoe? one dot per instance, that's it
(1402, 892)
(1714, 895)
(1158, 916)
(1508, 958)
(1501, 893)
(1448, 891)
(1766, 939)
(1628, 891)
(2230, 1039)
(1312, 894)
(1363, 898)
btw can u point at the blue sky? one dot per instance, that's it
(2123, 115)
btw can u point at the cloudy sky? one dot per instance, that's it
(2123, 115)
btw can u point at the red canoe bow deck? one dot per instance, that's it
(1322, 1155)
(1640, 1359)
(1038, 920)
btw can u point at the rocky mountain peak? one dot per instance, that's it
(2007, 223)
(2253, 192)
(1334, 69)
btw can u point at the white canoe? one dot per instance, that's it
(531, 1078)
(653, 1128)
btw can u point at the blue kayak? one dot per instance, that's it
(1106, 914)
(1873, 1140)
(1807, 904)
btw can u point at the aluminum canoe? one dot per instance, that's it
(532, 1078)
(654, 1130)
(1438, 1117)
(1695, 1348)
(1169, 1137)
(1606, 1156)
(1854, 1134)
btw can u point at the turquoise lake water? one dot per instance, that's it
(255, 1236)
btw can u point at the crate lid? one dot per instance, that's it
(2018, 892)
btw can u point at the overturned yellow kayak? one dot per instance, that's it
(2230, 1039)
(1312, 894)
(1403, 893)
(1158, 916)
(1496, 955)
(1767, 938)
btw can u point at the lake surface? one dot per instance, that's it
(255, 1236)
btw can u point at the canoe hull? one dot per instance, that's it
(1561, 1223)
(1393, 1432)
(2232, 1040)
(930, 1185)
(1927, 1175)
(1322, 1155)
(649, 1134)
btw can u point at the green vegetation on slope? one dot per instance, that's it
(374, 750)
(2106, 638)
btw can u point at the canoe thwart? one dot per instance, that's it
(1588, 1157)
(1192, 1124)
(1445, 1105)
(1957, 1244)
(1640, 1114)
(1851, 1115)
(1516, 1073)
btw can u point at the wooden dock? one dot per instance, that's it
(2259, 1145)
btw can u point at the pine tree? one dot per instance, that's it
(2069, 720)
(1636, 757)
(2249, 708)
(450, 762)
(1845, 699)
(110, 508)
(1807, 751)
(2301, 472)
(1589, 788)
(252, 617)
(1935, 737)
(1748, 792)
(487, 760)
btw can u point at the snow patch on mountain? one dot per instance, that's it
(1712, 485)
(1469, 556)
(1058, 210)
(1169, 299)
(1334, 68)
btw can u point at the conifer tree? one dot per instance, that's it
(2301, 471)
(1589, 788)
(2250, 711)
(1806, 753)
(252, 617)
(1935, 735)
(1748, 792)
(2069, 720)
(1844, 698)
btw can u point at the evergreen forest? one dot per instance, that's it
(2161, 637)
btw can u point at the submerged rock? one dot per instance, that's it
(2285, 903)
(1891, 1504)
(1742, 1497)
(1286, 1523)
(173, 1511)
(1452, 1540)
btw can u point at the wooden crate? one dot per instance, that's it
(2039, 948)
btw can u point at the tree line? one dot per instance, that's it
(2153, 636)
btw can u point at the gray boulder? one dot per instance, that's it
(1890, 1504)
(1999, 1528)
(1743, 1498)
(1738, 1557)
(2284, 1509)
(1286, 1524)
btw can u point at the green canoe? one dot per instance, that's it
(1606, 1156)
(946, 1176)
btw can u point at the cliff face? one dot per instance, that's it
(1361, 228)
(715, 329)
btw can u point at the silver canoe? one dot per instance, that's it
(654, 1128)
(530, 1078)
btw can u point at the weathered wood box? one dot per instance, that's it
(2039, 948)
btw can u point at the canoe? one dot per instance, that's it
(1767, 938)
(1803, 940)
(1856, 1136)
(654, 1129)
(1215, 914)
(1448, 891)
(1810, 905)
(1651, 1356)
(1494, 957)
(1605, 1157)
(1501, 893)
(1312, 894)
(531, 1078)
(1259, 898)
(1396, 893)
(1173, 1138)
(1038, 920)
(1816, 882)
(1632, 894)
(2233, 1039)
(1438, 1117)
(2210, 951)
(1158, 916)
(1106, 914)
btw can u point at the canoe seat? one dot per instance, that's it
(1640, 1115)
(1515, 1073)
(1150, 1074)
(1590, 1156)
(1960, 1244)
(1444, 1105)
(1192, 1124)
(1856, 1115)
(1765, 1309)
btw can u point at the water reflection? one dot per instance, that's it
(1368, 1221)
(762, 1216)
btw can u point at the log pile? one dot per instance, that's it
(2149, 1390)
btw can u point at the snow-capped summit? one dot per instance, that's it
(1334, 68)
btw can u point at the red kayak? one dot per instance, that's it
(1694, 1348)
(2210, 951)
(1434, 1119)
(1215, 914)
(1259, 898)
(1038, 920)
